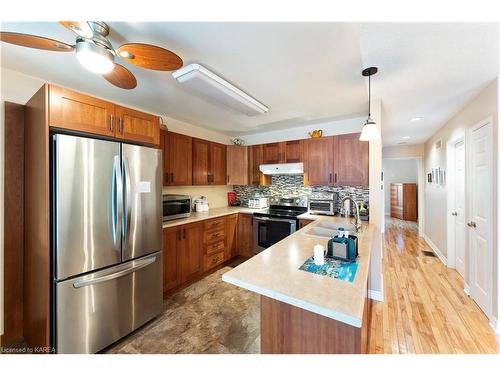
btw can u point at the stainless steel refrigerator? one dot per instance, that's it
(106, 241)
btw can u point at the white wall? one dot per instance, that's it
(397, 171)
(345, 126)
(436, 215)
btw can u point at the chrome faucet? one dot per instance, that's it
(357, 224)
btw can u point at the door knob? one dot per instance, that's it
(454, 214)
(471, 224)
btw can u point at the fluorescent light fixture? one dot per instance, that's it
(406, 137)
(218, 89)
(413, 119)
(94, 58)
(284, 168)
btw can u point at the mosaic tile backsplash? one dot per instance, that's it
(292, 185)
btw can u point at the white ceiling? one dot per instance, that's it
(305, 72)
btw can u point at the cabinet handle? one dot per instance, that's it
(228, 179)
(171, 177)
(111, 123)
(330, 177)
(335, 178)
(120, 125)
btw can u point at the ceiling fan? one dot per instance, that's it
(95, 52)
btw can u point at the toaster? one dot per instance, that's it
(343, 248)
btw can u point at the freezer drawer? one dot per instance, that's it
(96, 310)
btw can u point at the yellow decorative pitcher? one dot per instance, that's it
(316, 133)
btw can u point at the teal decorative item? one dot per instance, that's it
(343, 248)
(345, 271)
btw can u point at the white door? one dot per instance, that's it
(480, 224)
(459, 212)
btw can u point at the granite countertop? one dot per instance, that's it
(275, 273)
(210, 214)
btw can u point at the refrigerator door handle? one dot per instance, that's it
(117, 201)
(127, 206)
(135, 266)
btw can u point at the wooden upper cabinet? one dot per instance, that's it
(282, 152)
(237, 165)
(163, 148)
(293, 151)
(79, 112)
(178, 163)
(209, 163)
(318, 168)
(271, 153)
(351, 159)
(254, 162)
(217, 164)
(137, 126)
(201, 148)
(74, 111)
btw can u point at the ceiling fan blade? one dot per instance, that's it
(81, 28)
(121, 77)
(149, 56)
(34, 41)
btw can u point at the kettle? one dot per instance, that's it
(316, 133)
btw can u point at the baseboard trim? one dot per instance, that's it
(436, 250)
(494, 325)
(376, 295)
(467, 289)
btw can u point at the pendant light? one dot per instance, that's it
(370, 131)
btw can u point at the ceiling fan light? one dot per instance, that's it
(94, 58)
(370, 131)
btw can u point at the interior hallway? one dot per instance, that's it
(425, 308)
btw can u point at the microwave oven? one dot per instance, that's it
(176, 206)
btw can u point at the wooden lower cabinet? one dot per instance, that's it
(231, 249)
(245, 235)
(170, 266)
(304, 222)
(287, 329)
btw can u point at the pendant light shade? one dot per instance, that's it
(370, 131)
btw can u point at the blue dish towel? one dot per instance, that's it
(337, 269)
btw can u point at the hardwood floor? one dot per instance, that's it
(425, 308)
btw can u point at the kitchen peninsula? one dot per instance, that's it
(302, 312)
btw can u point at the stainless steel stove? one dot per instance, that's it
(277, 222)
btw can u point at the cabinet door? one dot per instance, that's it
(137, 126)
(231, 249)
(350, 160)
(244, 235)
(304, 222)
(255, 160)
(293, 151)
(237, 165)
(201, 149)
(170, 266)
(271, 153)
(318, 166)
(190, 253)
(217, 164)
(75, 111)
(163, 148)
(179, 160)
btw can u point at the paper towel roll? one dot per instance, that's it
(319, 255)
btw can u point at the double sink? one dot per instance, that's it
(328, 229)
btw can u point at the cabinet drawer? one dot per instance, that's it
(214, 247)
(213, 224)
(212, 236)
(213, 260)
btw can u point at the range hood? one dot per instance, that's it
(285, 168)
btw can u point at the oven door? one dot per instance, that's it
(176, 208)
(267, 231)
